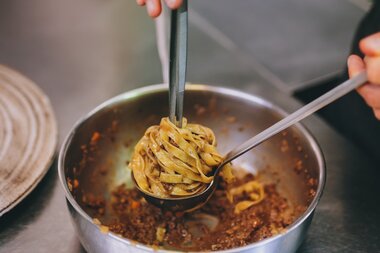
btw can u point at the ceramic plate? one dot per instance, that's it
(28, 137)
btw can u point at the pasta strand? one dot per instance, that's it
(176, 162)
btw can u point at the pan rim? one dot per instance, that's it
(156, 88)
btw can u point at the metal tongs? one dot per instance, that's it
(178, 62)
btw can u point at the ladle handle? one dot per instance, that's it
(178, 62)
(297, 116)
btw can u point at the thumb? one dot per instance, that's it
(355, 65)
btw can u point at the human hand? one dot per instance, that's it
(154, 6)
(370, 91)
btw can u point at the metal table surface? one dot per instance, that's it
(83, 52)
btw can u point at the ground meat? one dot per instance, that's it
(94, 203)
(213, 227)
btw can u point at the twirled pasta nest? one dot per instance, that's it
(176, 162)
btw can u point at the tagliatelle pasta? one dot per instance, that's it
(253, 190)
(176, 162)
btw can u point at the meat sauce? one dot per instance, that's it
(215, 226)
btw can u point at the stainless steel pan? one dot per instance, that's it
(233, 115)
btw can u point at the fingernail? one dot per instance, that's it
(374, 43)
(172, 3)
(349, 60)
(150, 6)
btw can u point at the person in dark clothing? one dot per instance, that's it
(357, 114)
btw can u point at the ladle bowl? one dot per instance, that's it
(197, 200)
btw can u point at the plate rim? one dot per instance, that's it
(53, 152)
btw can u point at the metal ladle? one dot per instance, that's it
(177, 76)
(197, 200)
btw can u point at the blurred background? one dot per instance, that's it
(95, 49)
(82, 52)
